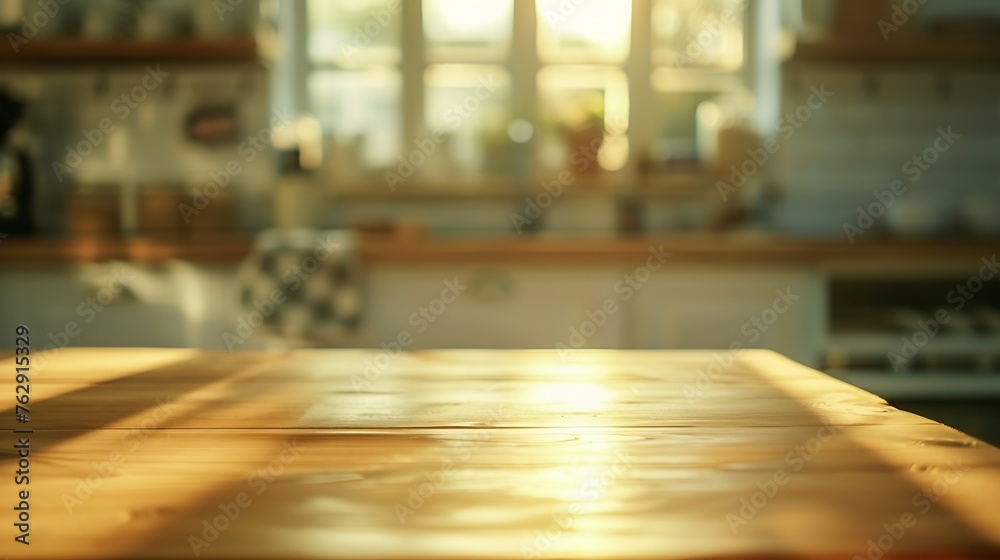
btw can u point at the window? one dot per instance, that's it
(475, 95)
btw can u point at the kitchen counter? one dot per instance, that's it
(139, 249)
(537, 248)
(143, 453)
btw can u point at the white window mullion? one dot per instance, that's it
(524, 66)
(639, 69)
(289, 85)
(414, 64)
(761, 68)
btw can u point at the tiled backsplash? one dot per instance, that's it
(875, 123)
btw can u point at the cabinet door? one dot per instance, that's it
(89, 306)
(715, 307)
(507, 306)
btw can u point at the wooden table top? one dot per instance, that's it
(163, 453)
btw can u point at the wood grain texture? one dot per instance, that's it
(486, 454)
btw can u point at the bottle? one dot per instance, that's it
(295, 195)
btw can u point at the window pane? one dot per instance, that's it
(698, 33)
(353, 32)
(584, 32)
(360, 110)
(469, 104)
(468, 29)
(583, 109)
(677, 96)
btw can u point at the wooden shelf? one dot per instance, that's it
(140, 249)
(856, 36)
(71, 49)
(902, 52)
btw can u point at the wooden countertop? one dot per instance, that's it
(142, 453)
(543, 248)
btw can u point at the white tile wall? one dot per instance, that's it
(874, 123)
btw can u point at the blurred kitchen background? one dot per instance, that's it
(242, 174)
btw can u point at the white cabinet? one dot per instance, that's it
(119, 304)
(498, 306)
(453, 305)
(713, 307)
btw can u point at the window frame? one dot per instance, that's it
(523, 65)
